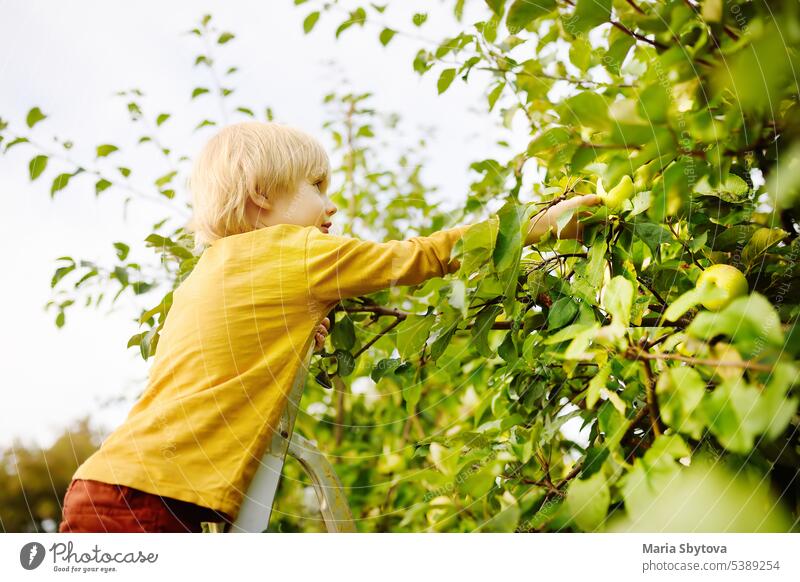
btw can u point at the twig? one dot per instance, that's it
(638, 36)
(745, 364)
(650, 390)
(387, 329)
(636, 7)
(401, 315)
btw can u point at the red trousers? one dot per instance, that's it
(93, 506)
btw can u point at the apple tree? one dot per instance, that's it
(590, 385)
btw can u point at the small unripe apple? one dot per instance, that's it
(616, 197)
(727, 279)
(643, 175)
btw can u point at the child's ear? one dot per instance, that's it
(259, 202)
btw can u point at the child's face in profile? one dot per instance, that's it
(309, 206)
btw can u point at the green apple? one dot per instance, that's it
(721, 278)
(616, 197)
(643, 175)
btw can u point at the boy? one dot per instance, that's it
(238, 328)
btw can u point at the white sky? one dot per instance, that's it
(69, 59)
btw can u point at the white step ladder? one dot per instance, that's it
(256, 508)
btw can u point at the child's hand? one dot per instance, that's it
(322, 333)
(548, 220)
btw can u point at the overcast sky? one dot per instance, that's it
(70, 59)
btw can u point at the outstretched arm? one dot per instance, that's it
(339, 267)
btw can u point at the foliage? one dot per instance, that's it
(33, 481)
(449, 400)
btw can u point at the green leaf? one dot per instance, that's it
(162, 118)
(587, 109)
(593, 268)
(101, 185)
(684, 303)
(383, 367)
(412, 391)
(439, 345)
(122, 250)
(682, 500)
(105, 150)
(570, 332)
(444, 459)
(733, 189)
(495, 93)
(588, 500)
(596, 384)
(343, 335)
(552, 138)
(497, 6)
(680, 392)
(59, 183)
(60, 273)
(16, 141)
(653, 104)
(36, 166)
(386, 35)
(618, 300)
(357, 16)
(477, 483)
(483, 324)
(508, 246)
(310, 21)
(508, 348)
(619, 46)
(445, 79)
(775, 405)
(653, 235)
(651, 473)
(412, 334)
(198, 91)
(225, 37)
(165, 179)
(346, 362)
(734, 416)
(148, 343)
(561, 312)
(580, 53)
(750, 321)
(35, 115)
(324, 380)
(587, 15)
(761, 241)
(477, 244)
(523, 12)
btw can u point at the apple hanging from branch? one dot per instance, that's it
(616, 197)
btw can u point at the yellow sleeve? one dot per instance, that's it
(339, 267)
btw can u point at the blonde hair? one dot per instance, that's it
(248, 160)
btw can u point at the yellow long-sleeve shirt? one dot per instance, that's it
(232, 343)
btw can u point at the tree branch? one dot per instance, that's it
(650, 390)
(381, 311)
(745, 364)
